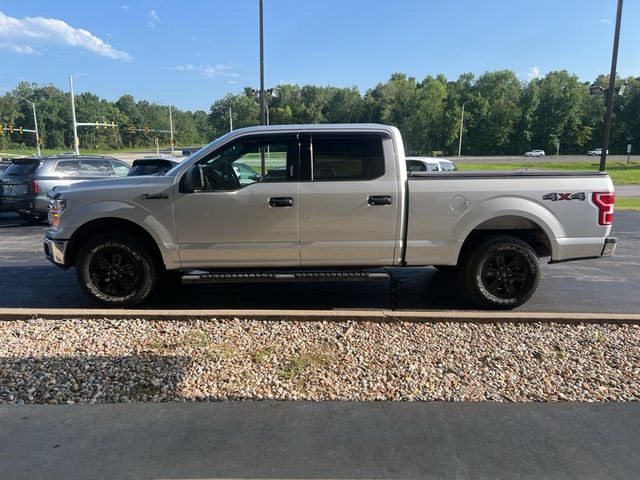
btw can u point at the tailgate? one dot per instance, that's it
(16, 179)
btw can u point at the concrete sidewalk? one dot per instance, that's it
(321, 440)
(9, 314)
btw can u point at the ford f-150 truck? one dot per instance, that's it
(324, 202)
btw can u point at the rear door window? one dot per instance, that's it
(95, 168)
(121, 169)
(67, 167)
(416, 166)
(347, 157)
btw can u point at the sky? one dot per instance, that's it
(190, 53)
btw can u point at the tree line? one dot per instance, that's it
(503, 115)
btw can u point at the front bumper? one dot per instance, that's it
(54, 250)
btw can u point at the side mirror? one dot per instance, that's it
(193, 180)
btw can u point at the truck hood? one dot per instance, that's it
(111, 184)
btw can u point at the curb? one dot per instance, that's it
(8, 314)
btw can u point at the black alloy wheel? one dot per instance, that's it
(501, 271)
(504, 274)
(115, 272)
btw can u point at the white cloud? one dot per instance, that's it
(22, 49)
(208, 71)
(25, 34)
(153, 18)
(125, 7)
(605, 20)
(534, 72)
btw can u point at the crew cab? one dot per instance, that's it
(327, 202)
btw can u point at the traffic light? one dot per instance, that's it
(1, 128)
(146, 130)
(10, 128)
(132, 129)
(20, 130)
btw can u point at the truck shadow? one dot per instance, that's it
(46, 286)
(92, 379)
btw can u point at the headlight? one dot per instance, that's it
(55, 209)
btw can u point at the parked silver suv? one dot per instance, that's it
(25, 182)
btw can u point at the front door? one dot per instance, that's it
(247, 214)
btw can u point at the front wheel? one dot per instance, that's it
(502, 272)
(116, 270)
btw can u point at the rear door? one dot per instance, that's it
(349, 204)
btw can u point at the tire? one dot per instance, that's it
(116, 270)
(501, 272)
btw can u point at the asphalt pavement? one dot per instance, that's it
(295, 440)
(548, 159)
(607, 285)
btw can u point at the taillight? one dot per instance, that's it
(604, 201)
(33, 187)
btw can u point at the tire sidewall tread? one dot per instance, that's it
(472, 271)
(136, 249)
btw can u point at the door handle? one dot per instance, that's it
(281, 202)
(379, 200)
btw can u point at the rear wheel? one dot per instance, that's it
(501, 272)
(116, 270)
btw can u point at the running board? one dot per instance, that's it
(274, 276)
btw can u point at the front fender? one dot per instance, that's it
(158, 224)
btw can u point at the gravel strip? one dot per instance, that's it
(105, 361)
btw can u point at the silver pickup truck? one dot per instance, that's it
(324, 202)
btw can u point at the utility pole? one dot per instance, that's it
(461, 126)
(230, 120)
(263, 117)
(610, 90)
(171, 128)
(263, 104)
(73, 116)
(35, 121)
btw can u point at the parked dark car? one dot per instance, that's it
(151, 166)
(25, 182)
(4, 164)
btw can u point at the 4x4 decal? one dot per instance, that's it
(554, 197)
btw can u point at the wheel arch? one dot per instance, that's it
(533, 231)
(104, 225)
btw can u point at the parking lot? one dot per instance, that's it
(606, 285)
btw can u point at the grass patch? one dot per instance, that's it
(305, 364)
(156, 344)
(624, 203)
(261, 354)
(620, 172)
(84, 151)
(200, 340)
